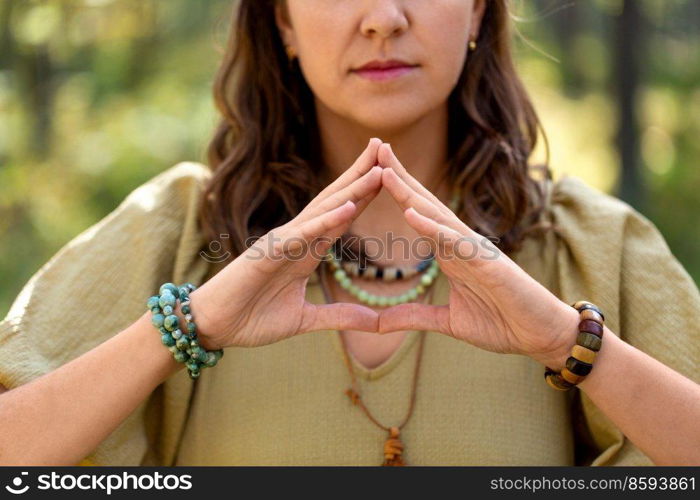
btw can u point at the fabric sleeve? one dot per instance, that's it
(659, 312)
(97, 284)
(615, 256)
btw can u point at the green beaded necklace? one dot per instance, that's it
(427, 278)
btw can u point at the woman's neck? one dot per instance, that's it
(422, 149)
(420, 146)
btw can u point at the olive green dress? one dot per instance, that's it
(285, 404)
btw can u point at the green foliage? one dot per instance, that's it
(96, 97)
(573, 81)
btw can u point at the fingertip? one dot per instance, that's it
(345, 212)
(417, 221)
(410, 215)
(346, 209)
(374, 141)
(389, 172)
(385, 155)
(389, 149)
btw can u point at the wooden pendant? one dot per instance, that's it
(393, 448)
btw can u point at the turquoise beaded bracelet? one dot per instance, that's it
(184, 345)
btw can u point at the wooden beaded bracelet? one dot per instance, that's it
(184, 345)
(583, 354)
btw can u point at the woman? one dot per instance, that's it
(301, 90)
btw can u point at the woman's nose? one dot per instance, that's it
(384, 18)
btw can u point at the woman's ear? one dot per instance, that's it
(284, 24)
(478, 10)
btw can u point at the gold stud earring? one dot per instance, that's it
(291, 53)
(472, 45)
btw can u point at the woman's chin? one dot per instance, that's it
(387, 123)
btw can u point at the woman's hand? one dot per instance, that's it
(259, 298)
(493, 303)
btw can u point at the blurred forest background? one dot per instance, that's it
(98, 96)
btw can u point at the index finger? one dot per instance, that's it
(389, 159)
(362, 165)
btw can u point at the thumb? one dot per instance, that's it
(415, 316)
(338, 316)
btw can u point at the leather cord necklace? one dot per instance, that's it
(393, 446)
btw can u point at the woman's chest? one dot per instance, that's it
(372, 350)
(285, 404)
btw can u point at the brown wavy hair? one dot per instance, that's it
(265, 158)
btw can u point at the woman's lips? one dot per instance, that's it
(384, 73)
